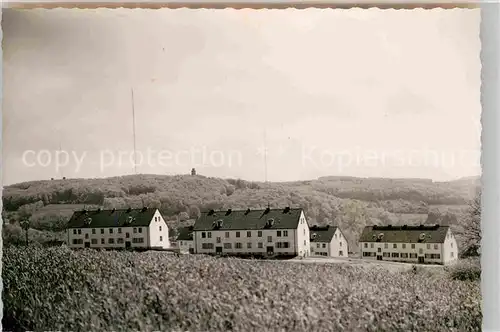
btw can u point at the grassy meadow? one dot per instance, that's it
(65, 290)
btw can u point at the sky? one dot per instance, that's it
(276, 95)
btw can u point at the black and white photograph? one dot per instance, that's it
(241, 170)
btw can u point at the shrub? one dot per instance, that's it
(61, 289)
(466, 270)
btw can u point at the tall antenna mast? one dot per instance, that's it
(265, 162)
(265, 156)
(60, 169)
(133, 129)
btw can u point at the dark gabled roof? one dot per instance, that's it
(249, 219)
(322, 234)
(185, 234)
(404, 234)
(112, 218)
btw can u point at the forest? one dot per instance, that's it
(348, 202)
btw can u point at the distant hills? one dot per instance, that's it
(349, 202)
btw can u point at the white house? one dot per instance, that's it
(114, 229)
(328, 241)
(432, 244)
(185, 240)
(268, 232)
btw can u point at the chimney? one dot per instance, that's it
(286, 210)
(267, 210)
(247, 212)
(98, 210)
(129, 210)
(113, 211)
(228, 212)
(144, 209)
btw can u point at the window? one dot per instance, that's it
(102, 230)
(304, 231)
(140, 229)
(413, 245)
(437, 256)
(395, 255)
(159, 228)
(127, 235)
(138, 240)
(226, 235)
(102, 241)
(203, 235)
(428, 245)
(379, 249)
(420, 251)
(324, 245)
(366, 245)
(249, 245)
(278, 233)
(237, 234)
(86, 235)
(386, 254)
(305, 242)
(119, 230)
(74, 232)
(269, 239)
(218, 239)
(451, 254)
(404, 255)
(111, 241)
(93, 241)
(74, 241)
(227, 245)
(284, 245)
(259, 245)
(207, 246)
(111, 231)
(413, 255)
(79, 231)
(259, 233)
(209, 235)
(340, 243)
(428, 255)
(93, 230)
(404, 245)
(335, 235)
(386, 245)
(341, 253)
(435, 246)
(161, 238)
(285, 233)
(135, 230)
(451, 244)
(395, 246)
(249, 234)
(238, 245)
(317, 245)
(120, 240)
(371, 245)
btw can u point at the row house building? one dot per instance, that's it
(114, 229)
(328, 241)
(434, 244)
(261, 232)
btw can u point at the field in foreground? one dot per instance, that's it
(60, 289)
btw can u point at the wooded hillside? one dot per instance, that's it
(348, 202)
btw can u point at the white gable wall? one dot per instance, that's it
(449, 248)
(303, 237)
(339, 246)
(158, 232)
